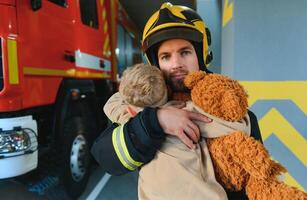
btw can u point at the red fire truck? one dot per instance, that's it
(59, 61)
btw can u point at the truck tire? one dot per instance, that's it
(76, 156)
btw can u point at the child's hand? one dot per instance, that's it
(132, 111)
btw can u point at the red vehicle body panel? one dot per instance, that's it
(41, 66)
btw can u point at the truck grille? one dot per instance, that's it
(1, 65)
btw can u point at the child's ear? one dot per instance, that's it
(132, 111)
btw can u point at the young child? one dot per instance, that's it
(177, 172)
(141, 86)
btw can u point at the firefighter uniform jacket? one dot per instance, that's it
(123, 148)
(126, 147)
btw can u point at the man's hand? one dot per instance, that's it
(176, 104)
(179, 123)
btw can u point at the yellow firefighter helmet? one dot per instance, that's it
(174, 21)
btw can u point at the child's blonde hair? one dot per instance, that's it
(143, 85)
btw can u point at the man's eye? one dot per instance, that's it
(183, 53)
(166, 57)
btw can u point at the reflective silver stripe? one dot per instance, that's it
(122, 151)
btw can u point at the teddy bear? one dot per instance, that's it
(240, 161)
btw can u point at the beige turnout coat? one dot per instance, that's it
(178, 172)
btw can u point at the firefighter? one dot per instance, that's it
(176, 40)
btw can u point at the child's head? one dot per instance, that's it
(143, 85)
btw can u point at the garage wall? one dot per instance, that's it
(264, 45)
(210, 12)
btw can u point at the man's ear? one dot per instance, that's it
(132, 111)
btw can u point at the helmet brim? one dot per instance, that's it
(172, 33)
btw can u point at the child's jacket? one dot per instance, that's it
(178, 172)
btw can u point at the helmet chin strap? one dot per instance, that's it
(199, 52)
(152, 57)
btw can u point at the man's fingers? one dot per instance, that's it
(199, 117)
(195, 130)
(180, 123)
(187, 141)
(191, 133)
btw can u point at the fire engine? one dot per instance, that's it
(59, 61)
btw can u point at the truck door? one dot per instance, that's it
(92, 38)
(46, 36)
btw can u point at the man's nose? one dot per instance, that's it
(177, 62)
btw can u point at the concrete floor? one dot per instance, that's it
(116, 188)
(101, 186)
(12, 190)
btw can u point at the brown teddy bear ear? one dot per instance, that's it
(233, 107)
(192, 78)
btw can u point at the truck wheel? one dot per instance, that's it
(76, 156)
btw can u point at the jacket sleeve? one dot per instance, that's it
(116, 109)
(255, 132)
(124, 148)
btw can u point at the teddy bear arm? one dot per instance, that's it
(252, 155)
(228, 173)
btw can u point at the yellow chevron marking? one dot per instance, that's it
(108, 51)
(273, 121)
(104, 14)
(66, 73)
(106, 45)
(12, 61)
(105, 27)
(227, 12)
(291, 181)
(294, 90)
(105, 31)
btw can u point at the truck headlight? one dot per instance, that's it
(17, 140)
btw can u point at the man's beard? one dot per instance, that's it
(176, 85)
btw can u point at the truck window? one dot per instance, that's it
(88, 10)
(62, 3)
(124, 50)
